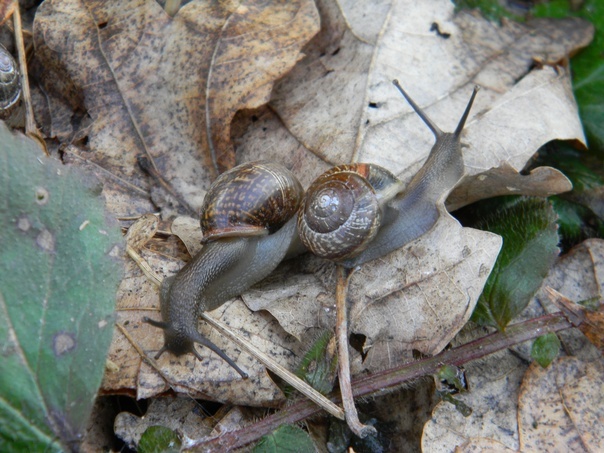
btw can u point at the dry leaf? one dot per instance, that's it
(162, 87)
(375, 125)
(505, 180)
(494, 384)
(561, 407)
(481, 445)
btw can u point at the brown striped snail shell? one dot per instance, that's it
(343, 208)
(252, 199)
(10, 83)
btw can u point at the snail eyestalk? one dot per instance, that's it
(433, 127)
(464, 117)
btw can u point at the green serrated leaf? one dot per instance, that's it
(60, 265)
(159, 439)
(530, 240)
(318, 366)
(286, 438)
(545, 349)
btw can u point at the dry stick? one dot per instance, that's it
(387, 380)
(31, 129)
(352, 417)
(280, 371)
(244, 344)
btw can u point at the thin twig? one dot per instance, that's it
(143, 265)
(280, 371)
(352, 417)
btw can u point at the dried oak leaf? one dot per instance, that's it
(562, 406)
(136, 82)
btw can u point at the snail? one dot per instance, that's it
(356, 213)
(248, 222)
(10, 83)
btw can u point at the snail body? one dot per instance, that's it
(240, 249)
(403, 215)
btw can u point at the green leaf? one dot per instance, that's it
(318, 366)
(60, 266)
(580, 212)
(530, 239)
(545, 349)
(587, 66)
(159, 439)
(284, 439)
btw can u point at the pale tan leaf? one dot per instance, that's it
(374, 125)
(505, 180)
(561, 407)
(483, 445)
(493, 389)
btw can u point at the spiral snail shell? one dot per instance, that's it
(342, 209)
(252, 199)
(10, 83)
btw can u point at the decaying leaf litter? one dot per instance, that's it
(362, 68)
(308, 127)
